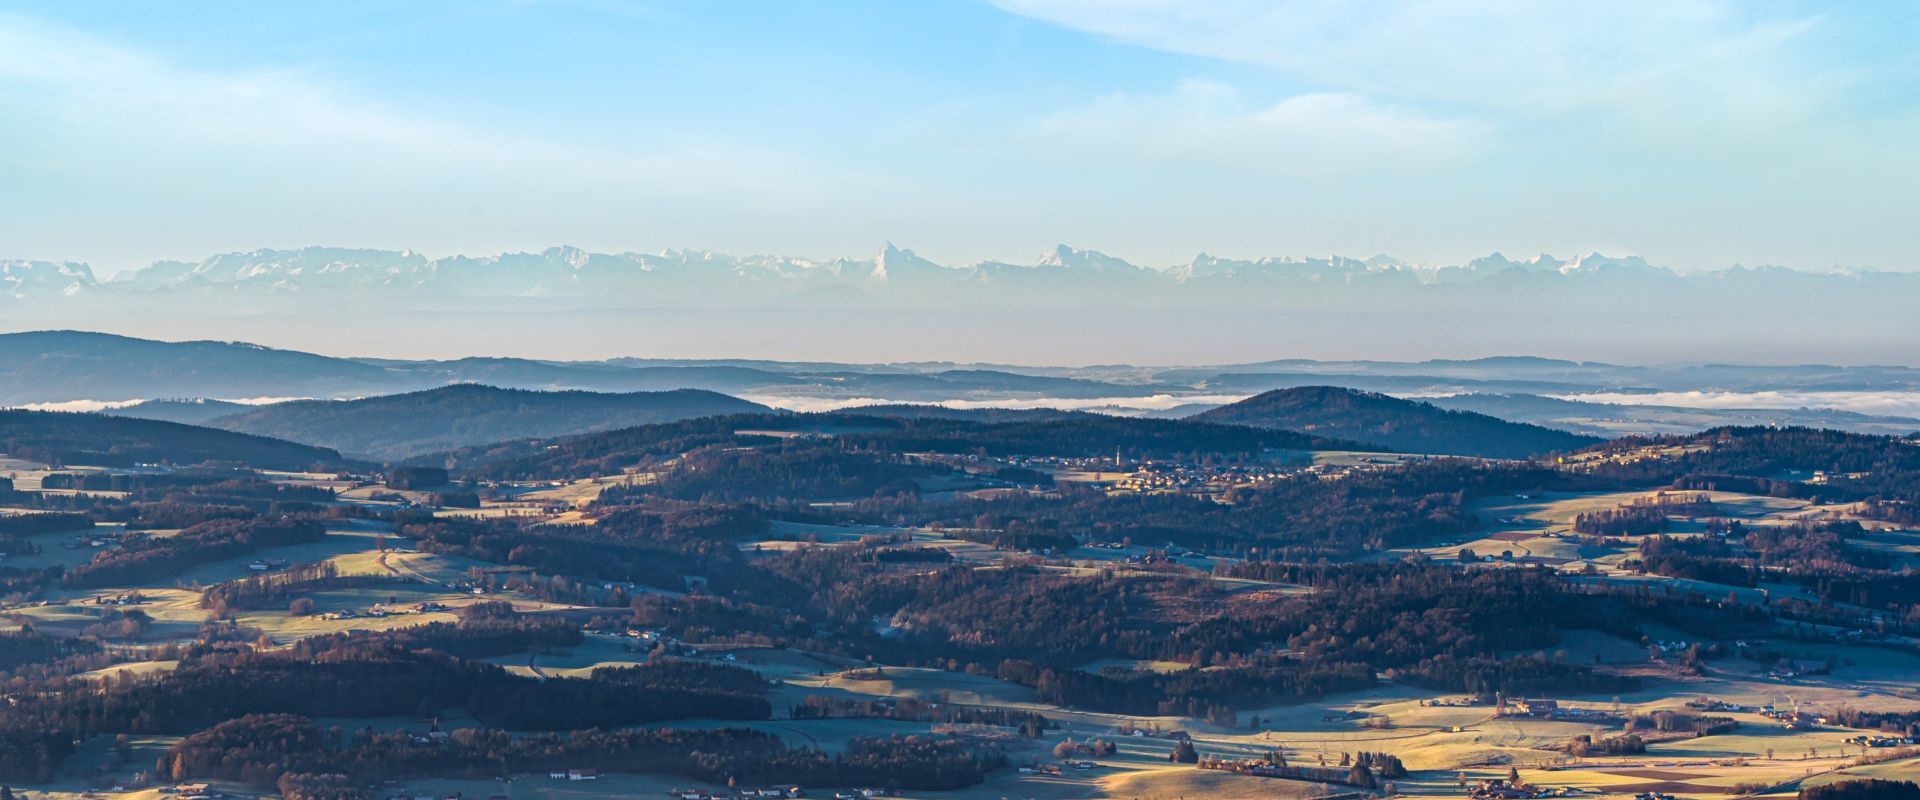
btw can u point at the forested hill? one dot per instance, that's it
(1390, 422)
(1075, 436)
(1834, 466)
(1763, 452)
(1090, 435)
(450, 417)
(191, 412)
(74, 365)
(99, 440)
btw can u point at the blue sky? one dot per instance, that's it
(1697, 134)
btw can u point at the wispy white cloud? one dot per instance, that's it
(1885, 403)
(1720, 110)
(95, 82)
(84, 80)
(1305, 135)
(1518, 55)
(305, 152)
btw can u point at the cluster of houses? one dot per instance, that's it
(1155, 733)
(1462, 701)
(379, 610)
(642, 640)
(1197, 479)
(1540, 708)
(1502, 789)
(1793, 718)
(1154, 556)
(1046, 463)
(267, 564)
(1267, 768)
(1881, 740)
(192, 791)
(1211, 480)
(403, 794)
(100, 536)
(1671, 646)
(1711, 704)
(1337, 471)
(777, 790)
(1525, 707)
(429, 737)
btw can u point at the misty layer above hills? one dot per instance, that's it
(56, 366)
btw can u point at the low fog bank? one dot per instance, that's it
(1039, 337)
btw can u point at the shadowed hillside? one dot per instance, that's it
(1390, 422)
(191, 412)
(98, 440)
(73, 365)
(397, 426)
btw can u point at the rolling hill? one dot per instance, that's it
(68, 366)
(1383, 421)
(100, 440)
(1068, 435)
(450, 417)
(52, 366)
(191, 412)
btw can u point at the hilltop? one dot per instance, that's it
(1390, 422)
(402, 425)
(191, 412)
(99, 440)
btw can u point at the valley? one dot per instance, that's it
(924, 602)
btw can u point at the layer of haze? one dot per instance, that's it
(1047, 339)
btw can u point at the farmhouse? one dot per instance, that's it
(1536, 708)
(1499, 789)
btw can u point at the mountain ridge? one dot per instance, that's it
(567, 271)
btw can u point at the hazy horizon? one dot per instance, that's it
(549, 336)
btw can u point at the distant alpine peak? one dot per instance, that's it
(22, 278)
(1067, 257)
(1384, 261)
(894, 262)
(1595, 263)
(572, 256)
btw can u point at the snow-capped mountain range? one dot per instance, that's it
(892, 274)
